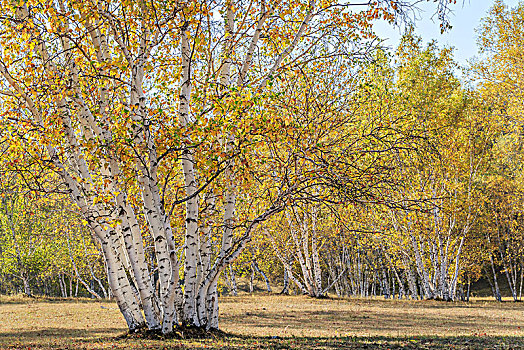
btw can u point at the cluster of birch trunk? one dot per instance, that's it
(131, 179)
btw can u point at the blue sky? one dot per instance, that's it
(464, 19)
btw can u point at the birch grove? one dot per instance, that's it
(148, 112)
(161, 153)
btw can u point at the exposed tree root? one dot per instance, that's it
(180, 332)
(323, 296)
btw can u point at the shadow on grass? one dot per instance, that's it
(361, 322)
(59, 338)
(60, 332)
(434, 343)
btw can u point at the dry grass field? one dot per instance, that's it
(275, 322)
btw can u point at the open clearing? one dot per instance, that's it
(275, 322)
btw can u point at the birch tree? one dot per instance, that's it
(146, 111)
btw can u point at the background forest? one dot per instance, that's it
(343, 168)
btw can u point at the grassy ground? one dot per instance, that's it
(275, 322)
